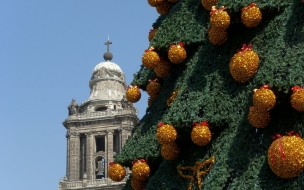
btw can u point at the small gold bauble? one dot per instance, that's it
(138, 184)
(153, 88)
(165, 133)
(219, 18)
(286, 156)
(170, 151)
(152, 34)
(244, 64)
(258, 118)
(154, 3)
(117, 172)
(163, 8)
(150, 58)
(207, 4)
(251, 15)
(163, 68)
(217, 36)
(140, 170)
(264, 98)
(177, 53)
(201, 134)
(297, 98)
(133, 94)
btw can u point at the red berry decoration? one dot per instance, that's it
(116, 172)
(133, 94)
(177, 53)
(297, 98)
(201, 134)
(166, 133)
(153, 88)
(140, 169)
(251, 15)
(258, 118)
(150, 58)
(264, 98)
(219, 18)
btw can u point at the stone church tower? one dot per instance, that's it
(98, 129)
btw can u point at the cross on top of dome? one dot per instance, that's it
(108, 55)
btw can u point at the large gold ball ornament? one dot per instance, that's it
(251, 15)
(244, 64)
(258, 118)
(140, 170)
(152, 34)
(201, 134)
(297, 98)
(150, 58)
(177, 53)
(154, 3)
(217, 36)
(286, 156)
(163, 8)
(116, 172)
(166, 133)
(133, 94)
(219, 18)
(163, 68)
(170, 151)
(264, 98)
(207, 4)
(138, 184)
(153, 88)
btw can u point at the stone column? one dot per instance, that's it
(89, 156)
(109, 151)
(74, 151)
(124, 137)
(68, 156)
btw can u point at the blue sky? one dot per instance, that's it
(48, 50)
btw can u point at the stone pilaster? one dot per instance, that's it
(109, 150)
(124, 137)
(74, 151)
(89, 157)
(68, 156)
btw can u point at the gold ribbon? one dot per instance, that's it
(171, 99)
(196, 171)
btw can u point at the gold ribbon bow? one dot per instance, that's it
(172, 98)
(196, 171)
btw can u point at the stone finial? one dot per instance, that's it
(73, 107)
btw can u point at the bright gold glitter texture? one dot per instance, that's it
(170, 151)
(258, 118)
(297, 98)
(286, 156)
(150, 58)
(172, 98)
(244, 64)
(153, 88)
(217, 36)
(154, 3)
(140, 170)
(163, 68)
(264, 98)
(251, 15)
(152, 34)
(207, 4)
(133, 94)
(165, 133)
(201, 134)
(177, 53)
(137, 184)
(163, 8)
(117, 172)
(219, 18)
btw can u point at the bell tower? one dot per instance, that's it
(98, 128)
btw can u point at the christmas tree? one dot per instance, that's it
(226, 107)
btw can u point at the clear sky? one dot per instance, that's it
(48, 49)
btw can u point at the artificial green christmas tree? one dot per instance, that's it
(216, 83)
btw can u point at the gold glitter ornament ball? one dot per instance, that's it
(297, 98)
(177, 53)
(201, 134)
(166, 133)
(152, 34)
(170, 151)
(258, 118)
(140, 170)
(117, 172)
(154, 3)
(163, 8)
(217, 36)
(153, 88)
(286, 156)
(244, 64)
(251, 15)
(133, 94)
(150, 58)
(163, 68)
(264, 98)
(138, 184)
(219, 18)
(207, 4)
